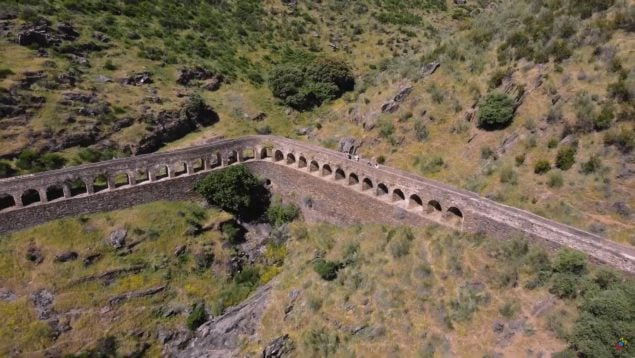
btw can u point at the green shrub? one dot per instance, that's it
(31, 161)
(496, 111)
(542, 166)
(321, 342)
(386, 128)
(592, 165)
(399, 247)
(6, 170)
(109, 65)
(520, 159)
(552, 143)
(604, 119)
(487, 152)
(565, 157)
(236, 190)
(278, 213)
(326, 269)
(570, 262)
(555, 180)
(306, 84)
(5, 72)
(231, 232)
(421, 131)
(564, 285)
(619, 91)
(623, 139)
(197, 316)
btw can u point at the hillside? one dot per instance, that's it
(93, 81)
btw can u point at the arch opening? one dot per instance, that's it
(161, 172)
(54, 192)
(415, 202)
(367, 184)
(121, 179)
(353, 179)
(398, 195)
(265, 153)
(339, 174)
(326, 170)
(141, 175)
(290, 158)
(278, 156)
(314, 166)
(267, 182)
(76, 186)
(248, 154)
(455, 212)
(197, 165)
(301, 162)
(100, 183)
(6, 201)
(30, 197)
(382, 189)
(215, 161)
(179, 169)
(232, 157)
(433, 206)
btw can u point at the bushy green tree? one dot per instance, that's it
(306, 84)
(236, 190)
(326, 269)
(565, 157)
(496, 111)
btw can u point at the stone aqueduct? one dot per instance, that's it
(349, 189)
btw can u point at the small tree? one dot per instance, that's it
(542, 166)
(326, 269)
(565, 157)
(496, 111)
(197, 317)
(236, 190)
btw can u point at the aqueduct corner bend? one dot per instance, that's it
(350, 190)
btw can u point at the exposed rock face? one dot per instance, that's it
(278, 348)
(347, 145)
(171, 125)
(429, 69)
(38, 33)
(189, 74)
(138, 79)
(221, 336)
(393, 105)
(14, 103)
(66, 256)
(117, 238)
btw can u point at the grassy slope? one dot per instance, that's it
(384, 56)
(163, 226)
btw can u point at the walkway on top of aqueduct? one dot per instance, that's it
(433, 201)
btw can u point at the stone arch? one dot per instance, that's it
(367, 184)
(415, 202)
(121, 179)
(290, 158)
(140, 175)
(30, 196)
(267, 182)
(278, 156)
(455, 212)
(353, 179)
(76, 187)
(433, 206)
(196, 165)
(314, 167)
(215, 160)
(248, 153)
(100, 183)
(54, 192)
(301, 162)
(6, 201)
(326, 170)
(265, 153)
(398, 195)
(161, 171)
(339, 174)
(232, 157)
(382, 189)
(179, 168)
